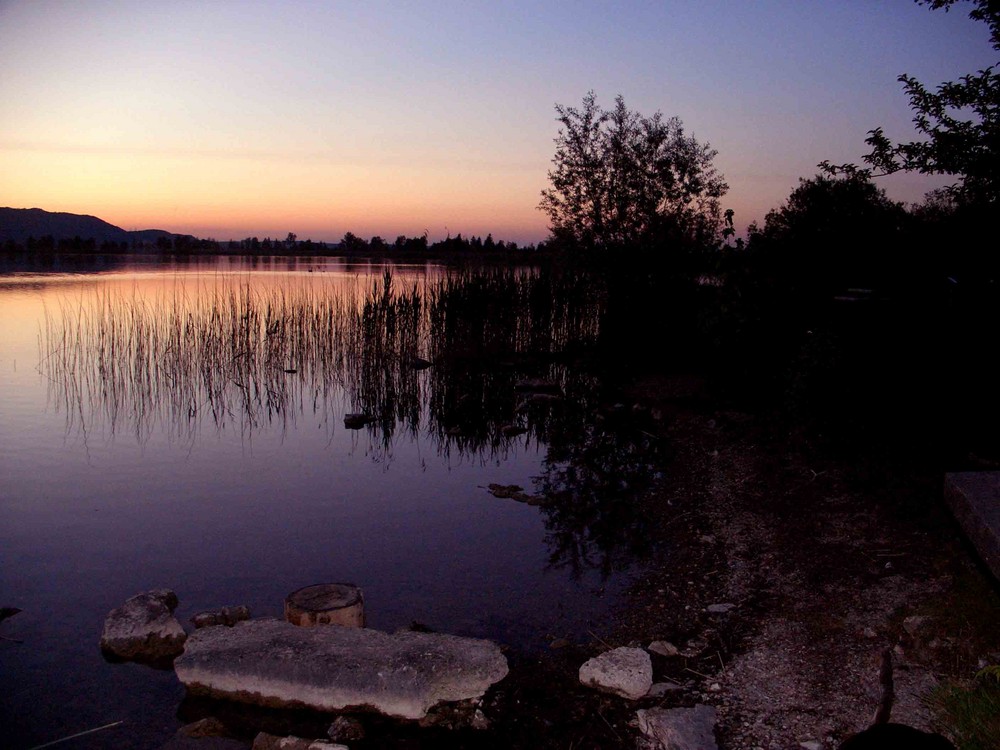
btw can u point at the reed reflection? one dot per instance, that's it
(443, 359)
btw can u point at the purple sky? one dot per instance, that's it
(230, 119)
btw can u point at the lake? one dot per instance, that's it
(180, 424)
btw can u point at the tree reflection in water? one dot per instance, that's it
(243, 356)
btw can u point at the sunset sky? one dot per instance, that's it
(232, 119)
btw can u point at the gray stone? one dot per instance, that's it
(918, 625)
(811, 745)
(661, 689)
(226, 616)
(679, 728)
(183, 742)
(265, 741)
(720, 609)
(144, 628)
(207, 727)
(346, 729)
(974, 498)
(270, 662)
(627, 672)
(663, 648)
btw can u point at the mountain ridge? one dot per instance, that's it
(19, 224)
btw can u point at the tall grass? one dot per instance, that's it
(237, 354)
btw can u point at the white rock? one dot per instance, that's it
(627, 672)
(270, 662)
(144, 628)
(663, 648)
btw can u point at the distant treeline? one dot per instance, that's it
(351, 244)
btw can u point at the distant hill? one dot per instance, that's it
(18, 224)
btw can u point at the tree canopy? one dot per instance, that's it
(621, 179)
(958, 123)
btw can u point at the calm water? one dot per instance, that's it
(118, 476)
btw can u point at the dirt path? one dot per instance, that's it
(828, 563)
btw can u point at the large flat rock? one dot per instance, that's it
(270, 662)
(974, 497)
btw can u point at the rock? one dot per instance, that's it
(265, 741)
(228, 616)
(627, 672)
(326, 604)
(454, 716)
(662, 688)
(663, 648)
(515, 492)
(560, 643)
(720, 609)
(183, 742)
(269, 662)
(207, 727)
(918, 625)
(679, 728)
(356, 421)
(346, 729)
(144, 628)
(512, 430)
(811, 745)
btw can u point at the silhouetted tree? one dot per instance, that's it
(831, 233)
(959, 125)
(621, 179)
(351, 242)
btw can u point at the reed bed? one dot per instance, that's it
(235, 353)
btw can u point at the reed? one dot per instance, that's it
(234, 353)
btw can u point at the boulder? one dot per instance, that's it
(270, 662)
(679, 728)
(627, 672)
(144, 628)
(346, 729)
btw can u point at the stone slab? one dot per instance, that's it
(679, 728)
(271, 662)
(974, 498)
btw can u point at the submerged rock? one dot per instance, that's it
(356, 421)
(144, 628)
(627, 672)
(515, 492)
(679, 728)
(270, 662)
(534, 385)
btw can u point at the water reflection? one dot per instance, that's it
(234, 353)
